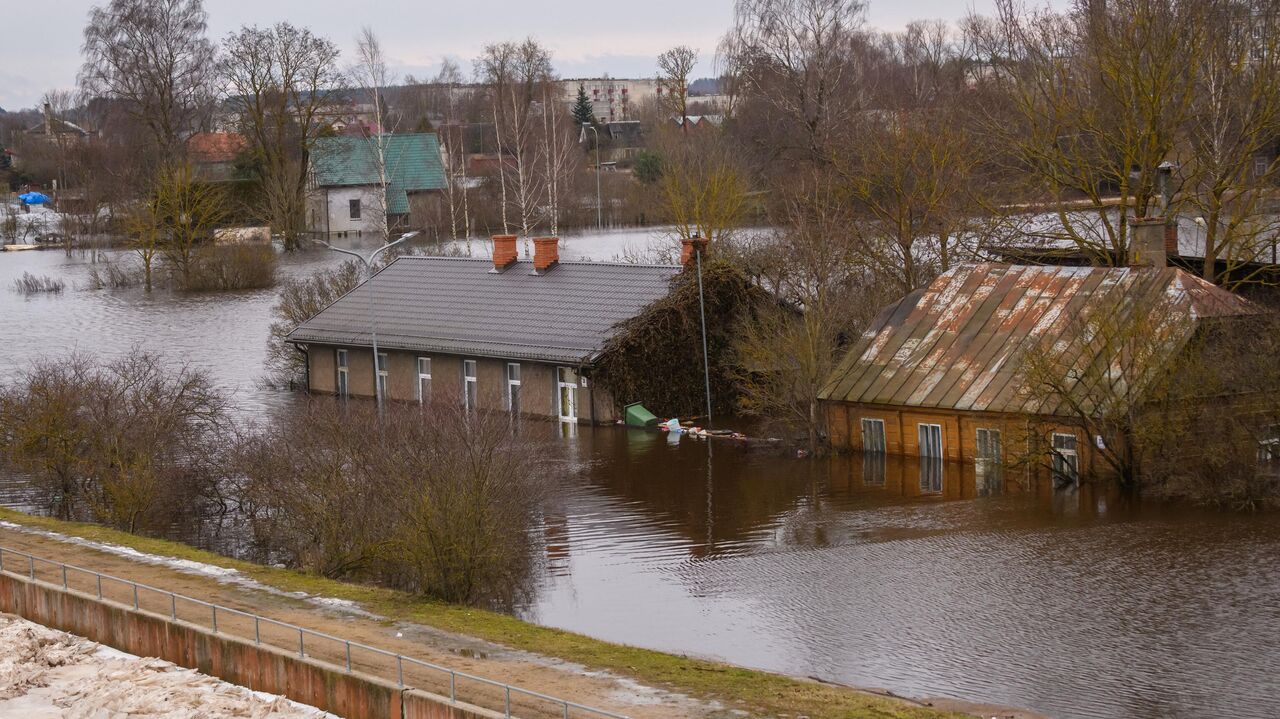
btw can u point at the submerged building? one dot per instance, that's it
(501, 334)
(939, 374)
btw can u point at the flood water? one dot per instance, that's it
(851, 570)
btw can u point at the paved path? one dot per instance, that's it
(542, 674)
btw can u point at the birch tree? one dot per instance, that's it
(372, 75)
(674, 68)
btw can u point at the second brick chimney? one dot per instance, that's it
(689, 246)
(504, 252)
(546, 253)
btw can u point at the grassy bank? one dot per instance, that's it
(759, 693)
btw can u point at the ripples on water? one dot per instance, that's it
(1076, 605)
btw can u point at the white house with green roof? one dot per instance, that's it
(346, 185)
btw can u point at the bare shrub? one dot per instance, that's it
(29, 284)
(125, 443)
(231, 267)
(431, 500)
(113, 276)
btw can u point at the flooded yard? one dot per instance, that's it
(870, 573)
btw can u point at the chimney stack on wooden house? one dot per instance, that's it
(1148, 242)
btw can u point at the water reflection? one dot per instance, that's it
(1075, 602)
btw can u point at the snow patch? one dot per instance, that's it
(224, 575)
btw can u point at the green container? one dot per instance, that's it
(637, 416)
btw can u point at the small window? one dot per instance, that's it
(353, 206)
(470, 387)
(424, 380)
(930, 440)
(1066, 457)
(873, 435)
(567, 394)
(1260, 166)
(344, 374)
(382, 375)
(513, 388)
(989, 463)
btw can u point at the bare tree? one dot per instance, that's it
(674, 68)
(153, 58)
(1228, 165)
(796, 57)
(372, 74)
(1093, 101)
(703, 190)
(279, 81)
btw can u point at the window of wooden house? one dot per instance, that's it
(1066, 456)
(470, 386)
(873, 435)
(873, 469)
(353, 209)
(989, 462)
(1269, 444)
(424, 380)
(344, 373)
(930, 440)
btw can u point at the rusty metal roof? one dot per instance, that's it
(957, 343)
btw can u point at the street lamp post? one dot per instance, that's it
(373, 324)
(599, 203)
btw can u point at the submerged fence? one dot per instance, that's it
(406, 672)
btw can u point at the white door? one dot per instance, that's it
(567, 383)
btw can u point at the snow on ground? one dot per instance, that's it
(47, 674)
(222, 574)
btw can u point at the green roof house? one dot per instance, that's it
(346, 181)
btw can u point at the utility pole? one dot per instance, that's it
(599, 202)
(373, 324)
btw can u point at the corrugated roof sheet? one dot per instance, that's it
(458, 306)
(412, 160)
(957, 343)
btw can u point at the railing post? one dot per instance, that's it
(453, 687)
(64, 577)
(400, 669)
(33, 567)
(99, 576)
(301, 651)
(508, 701)
(173, 605)
(348, 656)
(257, 634)
(566, 710)
(214, 607)
(135, 596)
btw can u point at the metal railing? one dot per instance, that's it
(486, 693)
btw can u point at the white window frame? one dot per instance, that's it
(561, 385)
(1066, 460)
(988, 460)
(382, 374)
(988, 445)
(470, 381)
(424, 380)
(341, 360)
(873, 439)
(513, 388)
(926, 447)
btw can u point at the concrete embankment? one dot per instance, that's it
(259, 667)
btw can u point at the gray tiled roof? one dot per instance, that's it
(458, 306)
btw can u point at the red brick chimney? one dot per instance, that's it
(504, 252)
(687, 248)
(546, 253)
(1171, 237)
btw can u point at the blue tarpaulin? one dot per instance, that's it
(34, 198)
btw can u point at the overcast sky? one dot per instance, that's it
(40, 49)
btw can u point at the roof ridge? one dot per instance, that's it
(592, 263)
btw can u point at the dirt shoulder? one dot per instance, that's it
(627, 680)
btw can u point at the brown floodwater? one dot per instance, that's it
(879, 573)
